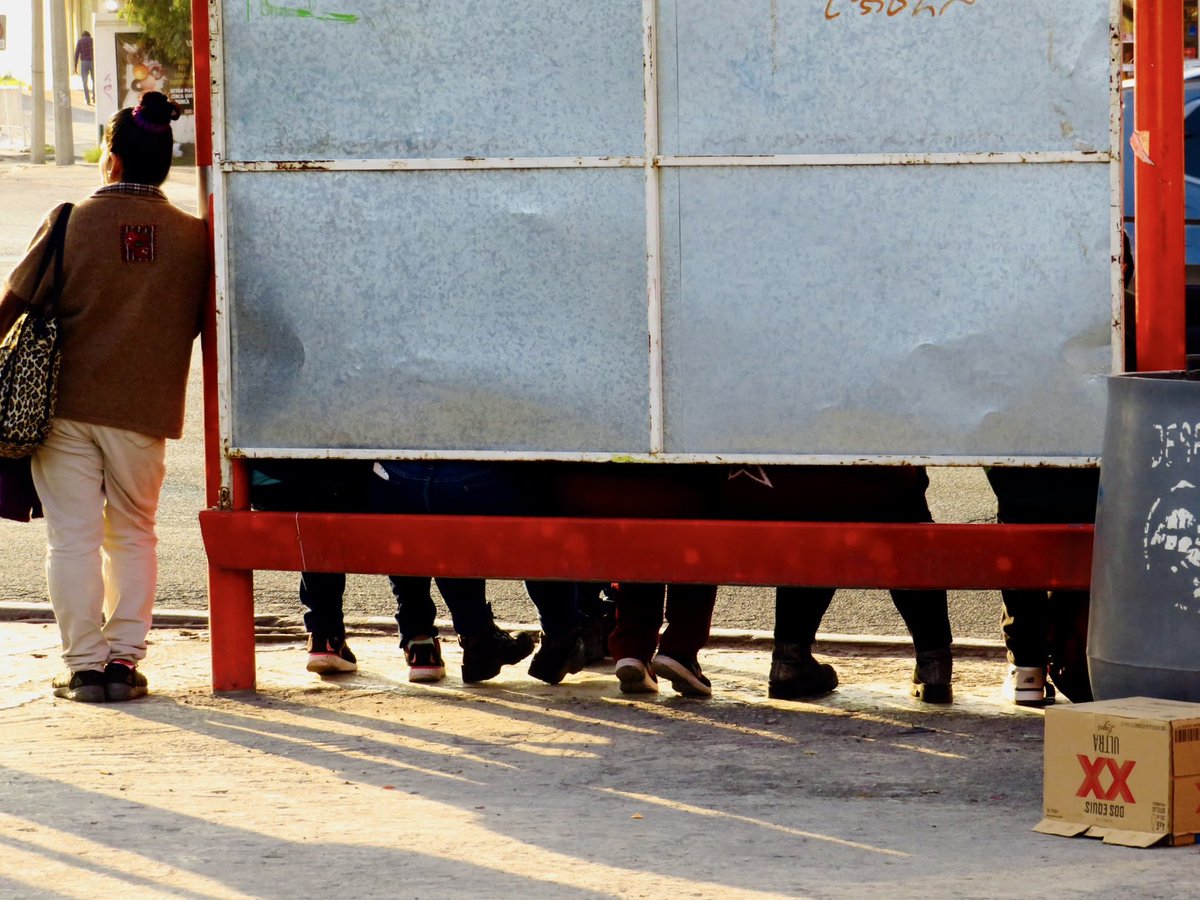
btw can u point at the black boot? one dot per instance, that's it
(796, 675)
(931, 676)
(486, 653)
(558, 657)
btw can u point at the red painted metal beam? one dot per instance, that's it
(1160, 267)
(680, 550)
(230, 591)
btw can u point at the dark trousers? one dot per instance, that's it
(636, 491)
(321, 485)
(1036, 496)
(564, 605)
(688, 612)
(453, 488)
(415, 610)
(839, 494)
(798, 613)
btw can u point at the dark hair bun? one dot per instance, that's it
(155, 109)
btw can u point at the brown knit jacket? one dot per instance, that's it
(135, 274)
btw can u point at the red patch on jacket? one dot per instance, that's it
(137, 243)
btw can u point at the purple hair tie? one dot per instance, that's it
(139, 116)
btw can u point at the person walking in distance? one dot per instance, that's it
(85, 68)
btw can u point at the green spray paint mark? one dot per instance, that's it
(304, 11)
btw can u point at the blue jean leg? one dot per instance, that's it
(455, 488)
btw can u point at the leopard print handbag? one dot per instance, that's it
(29, 361)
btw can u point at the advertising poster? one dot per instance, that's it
(142, 67)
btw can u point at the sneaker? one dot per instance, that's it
(796, 675)
(330, 656)
(425, 663)
(84, 686)
(558, 657)
(686, 678)
(931, 676)
(1027, 686)
(122, 681)
(635, 677)
(485, 654)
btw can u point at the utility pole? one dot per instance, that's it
(37, 138)
(64, 128)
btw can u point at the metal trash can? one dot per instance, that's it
(1144, 627)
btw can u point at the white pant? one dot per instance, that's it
(99, 488)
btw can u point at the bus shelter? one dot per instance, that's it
(642, 231)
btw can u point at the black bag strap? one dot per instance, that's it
(55, 249)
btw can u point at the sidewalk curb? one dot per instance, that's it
(284, 629)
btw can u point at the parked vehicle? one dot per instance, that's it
(1191, 166)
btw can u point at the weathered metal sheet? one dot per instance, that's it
(412, 79)
(955, 310)
(911, 258)
(439, 310)
(873, 76)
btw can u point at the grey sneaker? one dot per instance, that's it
(1027, 686)
(84, 686)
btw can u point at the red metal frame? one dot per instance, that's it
(652, 550)
(834, 554)
(1160, 269)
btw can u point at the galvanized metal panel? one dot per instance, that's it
(447, 310)
(955, 310)
(870, 76)
(409, 78)
(525, 295)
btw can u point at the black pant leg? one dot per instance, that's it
(798, 613)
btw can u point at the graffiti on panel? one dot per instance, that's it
(303, 10)
(890, 9)
(1171, 532)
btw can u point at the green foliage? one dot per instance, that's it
(92, 156)
(166, 22)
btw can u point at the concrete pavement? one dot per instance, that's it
(368, 786)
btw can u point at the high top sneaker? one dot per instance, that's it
(330, 656)
(424, 658)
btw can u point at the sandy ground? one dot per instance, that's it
(368, 786)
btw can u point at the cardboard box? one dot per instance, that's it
(1124, 770)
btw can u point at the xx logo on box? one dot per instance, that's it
(1092, 770)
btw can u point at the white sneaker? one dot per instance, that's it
(1026, 686)
(635, 677)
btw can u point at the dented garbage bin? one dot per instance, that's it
(1144, 629)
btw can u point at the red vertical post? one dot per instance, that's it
(1160, 266)
(230, 591)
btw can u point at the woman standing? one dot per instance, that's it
(135, 271)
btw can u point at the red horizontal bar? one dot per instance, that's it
(849, 554)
